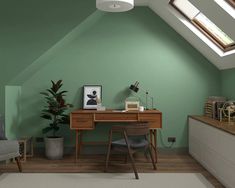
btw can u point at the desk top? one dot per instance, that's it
(116, 111)
(228, 127)
(85, 119)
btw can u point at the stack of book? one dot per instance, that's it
(212, 106)
(209, 109)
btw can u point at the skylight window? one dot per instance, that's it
(228, 6)
(212, 29)
(205, 25)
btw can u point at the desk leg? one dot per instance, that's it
(155, 144)
(25, 149)
(78, 144)
(76, 154)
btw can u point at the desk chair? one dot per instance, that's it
(135, 138)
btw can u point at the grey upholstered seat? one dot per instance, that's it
(9, 149)
(134, 142)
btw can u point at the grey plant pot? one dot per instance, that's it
(54, 148)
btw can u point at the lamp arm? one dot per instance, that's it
(151, 101)
(147, 96)
(136, 88)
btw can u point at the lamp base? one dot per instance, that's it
(150, 109)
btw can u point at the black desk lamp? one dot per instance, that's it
(135, 88)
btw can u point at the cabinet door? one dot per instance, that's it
(81, 121)
(213, 148)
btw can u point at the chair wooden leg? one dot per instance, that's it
(152, 158)
(131, 157)
(18, 163)
(107, 157)
(133, 165)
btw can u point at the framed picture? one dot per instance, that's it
(132, 105)
(90, 94)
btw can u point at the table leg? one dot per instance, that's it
(25, 149)
(151, 141)
(155, 144)
(78, 144)
(76, 154)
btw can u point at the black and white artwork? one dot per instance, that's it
(90, 95)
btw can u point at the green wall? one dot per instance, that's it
(12, 116)
(228, 80)
(115, 50)
(29, 28)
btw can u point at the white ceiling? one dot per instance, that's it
(213, 11)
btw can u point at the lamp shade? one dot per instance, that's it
(114, 5)
(134, 87)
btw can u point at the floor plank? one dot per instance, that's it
(175, 163)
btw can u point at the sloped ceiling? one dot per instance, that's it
(28, 28)
(214, 12)
(43, 22)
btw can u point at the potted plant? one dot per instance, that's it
(55, 112)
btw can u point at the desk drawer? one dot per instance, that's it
(154, 120)
(117, 117)
(83, 116)
(81, 121)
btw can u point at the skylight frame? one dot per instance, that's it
(231, 2)
(212, 34)
(228, 6)
(204, 30)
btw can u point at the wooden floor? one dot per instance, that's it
(171, 163)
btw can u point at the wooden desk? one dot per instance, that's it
(86, 119)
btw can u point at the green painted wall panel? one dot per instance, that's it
(228, 80)
(115, 51)
(12, 118)
(28, 28)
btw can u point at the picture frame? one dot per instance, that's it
(132, 105)
(90, 94)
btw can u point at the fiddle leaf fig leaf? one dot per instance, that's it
(52, 92)
(55, 107)
(46, 116)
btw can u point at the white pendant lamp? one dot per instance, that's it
(114, 5)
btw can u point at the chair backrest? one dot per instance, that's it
(137, 129)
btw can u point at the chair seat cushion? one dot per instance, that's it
(8, 148)
(134, 142)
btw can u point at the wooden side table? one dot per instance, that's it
(26, 148)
